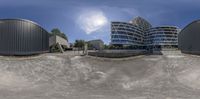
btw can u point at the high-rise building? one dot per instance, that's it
(140, 22)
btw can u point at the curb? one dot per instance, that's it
(115, 59)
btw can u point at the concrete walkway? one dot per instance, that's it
(68, 76)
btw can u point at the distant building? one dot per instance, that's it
(189, 38)
(22, 37)
(139, 34)
(58, 41)
(96, 44)
(140, 22)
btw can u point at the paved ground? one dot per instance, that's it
(57, 76)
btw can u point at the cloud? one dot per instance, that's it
(131, 11)
(91, 21)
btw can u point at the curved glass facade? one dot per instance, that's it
(22, 37)
(166, 36)
(139, 32)
(126, 34)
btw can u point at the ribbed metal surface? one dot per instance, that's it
(22, 37)
(189, 38)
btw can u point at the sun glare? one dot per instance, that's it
(100, 21)
(92, 21)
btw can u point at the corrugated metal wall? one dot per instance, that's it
(189, 38)
(22, 37)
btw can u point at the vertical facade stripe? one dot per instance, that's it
(22, 37)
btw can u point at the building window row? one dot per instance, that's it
(142, 33)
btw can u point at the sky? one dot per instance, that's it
(91, 19)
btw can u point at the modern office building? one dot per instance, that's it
(22, 37)
(140, 34)
(126, 34)
(163, 37)
(189, 38)
(129, 34)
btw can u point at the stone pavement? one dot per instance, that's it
(68, 76)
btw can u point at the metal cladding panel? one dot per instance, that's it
(22, 37)
(189, 38)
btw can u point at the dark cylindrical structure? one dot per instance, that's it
(189, 38)
(22, 37)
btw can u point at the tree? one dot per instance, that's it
(112, 47)
(57, 32)
(79, 43)
(106, 46)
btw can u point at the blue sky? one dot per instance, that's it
(90, 19)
